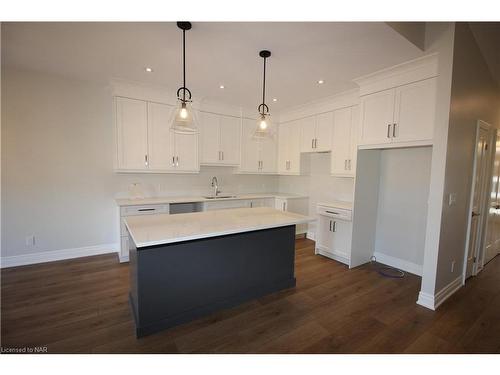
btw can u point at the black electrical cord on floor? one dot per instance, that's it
(386, 271)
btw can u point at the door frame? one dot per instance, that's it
(484, 205)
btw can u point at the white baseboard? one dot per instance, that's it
(311, 236)
(426, 300)
(447, 291)
(54, 255)
(433, 302)
(401, 264)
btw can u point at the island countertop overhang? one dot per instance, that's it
(153, 230)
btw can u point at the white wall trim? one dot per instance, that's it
(426, 300)
(401, 264)
(433, 302)
(54, 255)
(447, 291)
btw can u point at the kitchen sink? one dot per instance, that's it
(221, 197)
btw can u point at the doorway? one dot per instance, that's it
(479, 201)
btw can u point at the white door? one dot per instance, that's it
(229, 140)
(377, 113)
(209, 139)
(250, 148)
(493, 226)
(354, 140)
(307, 134)
(159, 137)
(132, 133)
(186, 152)
(294, 148)
(341, 142)
(477, 202)
(415, 107)
(341, 239)
(324, 124)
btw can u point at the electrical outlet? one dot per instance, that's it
(452, 266)
(30, 240)
(452, 199)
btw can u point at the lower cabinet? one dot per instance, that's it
(298, 205)
(333, 235)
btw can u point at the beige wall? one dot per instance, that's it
(57, 160)
(474, 95)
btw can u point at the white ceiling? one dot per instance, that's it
(217, 53)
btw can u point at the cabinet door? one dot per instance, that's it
(159, 137)
(325, 235)
(341, 142)
(341, 239)
(415, 108)
(229, 140)
(209, 139)
(186, 152)
(324, 125)
(307, 134)
(377, 111)
(354, 140)
(294, 147)
(283, 146)
(268, 155)
(250, 148)
(132, 133)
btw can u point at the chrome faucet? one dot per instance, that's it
(215, 185)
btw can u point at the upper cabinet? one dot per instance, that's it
(257, 156)
(289, 148)
(219, 137)
(398, 105)
(145, 142)
(316, 133)
(403, 114)
(344, 142)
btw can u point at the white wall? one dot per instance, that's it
(318, 185)
(57, 159)
(475, 95)
(402, 204)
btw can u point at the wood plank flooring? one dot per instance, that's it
(81, 306)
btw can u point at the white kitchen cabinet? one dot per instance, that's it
(334, 233)
(145, 142)
(219, 137)
(131, 134)
(415, 107)
(316, 133)
(298, 205)
(289, 148)
(344, 142)
(404, 114)
(257, 156)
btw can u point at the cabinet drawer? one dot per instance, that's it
(147, 209)
(337, 213)
(222, 205)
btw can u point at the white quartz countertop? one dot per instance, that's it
(164, 200)
(337, 204)
(150, 230)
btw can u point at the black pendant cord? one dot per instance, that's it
(184, 64)
(264, 88)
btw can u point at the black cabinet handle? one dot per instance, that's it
(146, 209)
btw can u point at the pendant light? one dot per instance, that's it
(183, 119)
(263, 128)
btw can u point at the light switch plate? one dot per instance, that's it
(452, 199)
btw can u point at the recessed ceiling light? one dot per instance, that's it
(275, 100)
(221, 86)
(149, 70)
(320, 82)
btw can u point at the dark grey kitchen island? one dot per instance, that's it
(186, 266)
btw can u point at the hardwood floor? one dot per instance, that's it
(81, 306)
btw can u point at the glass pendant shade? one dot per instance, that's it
(183, 119)
(263, 128)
